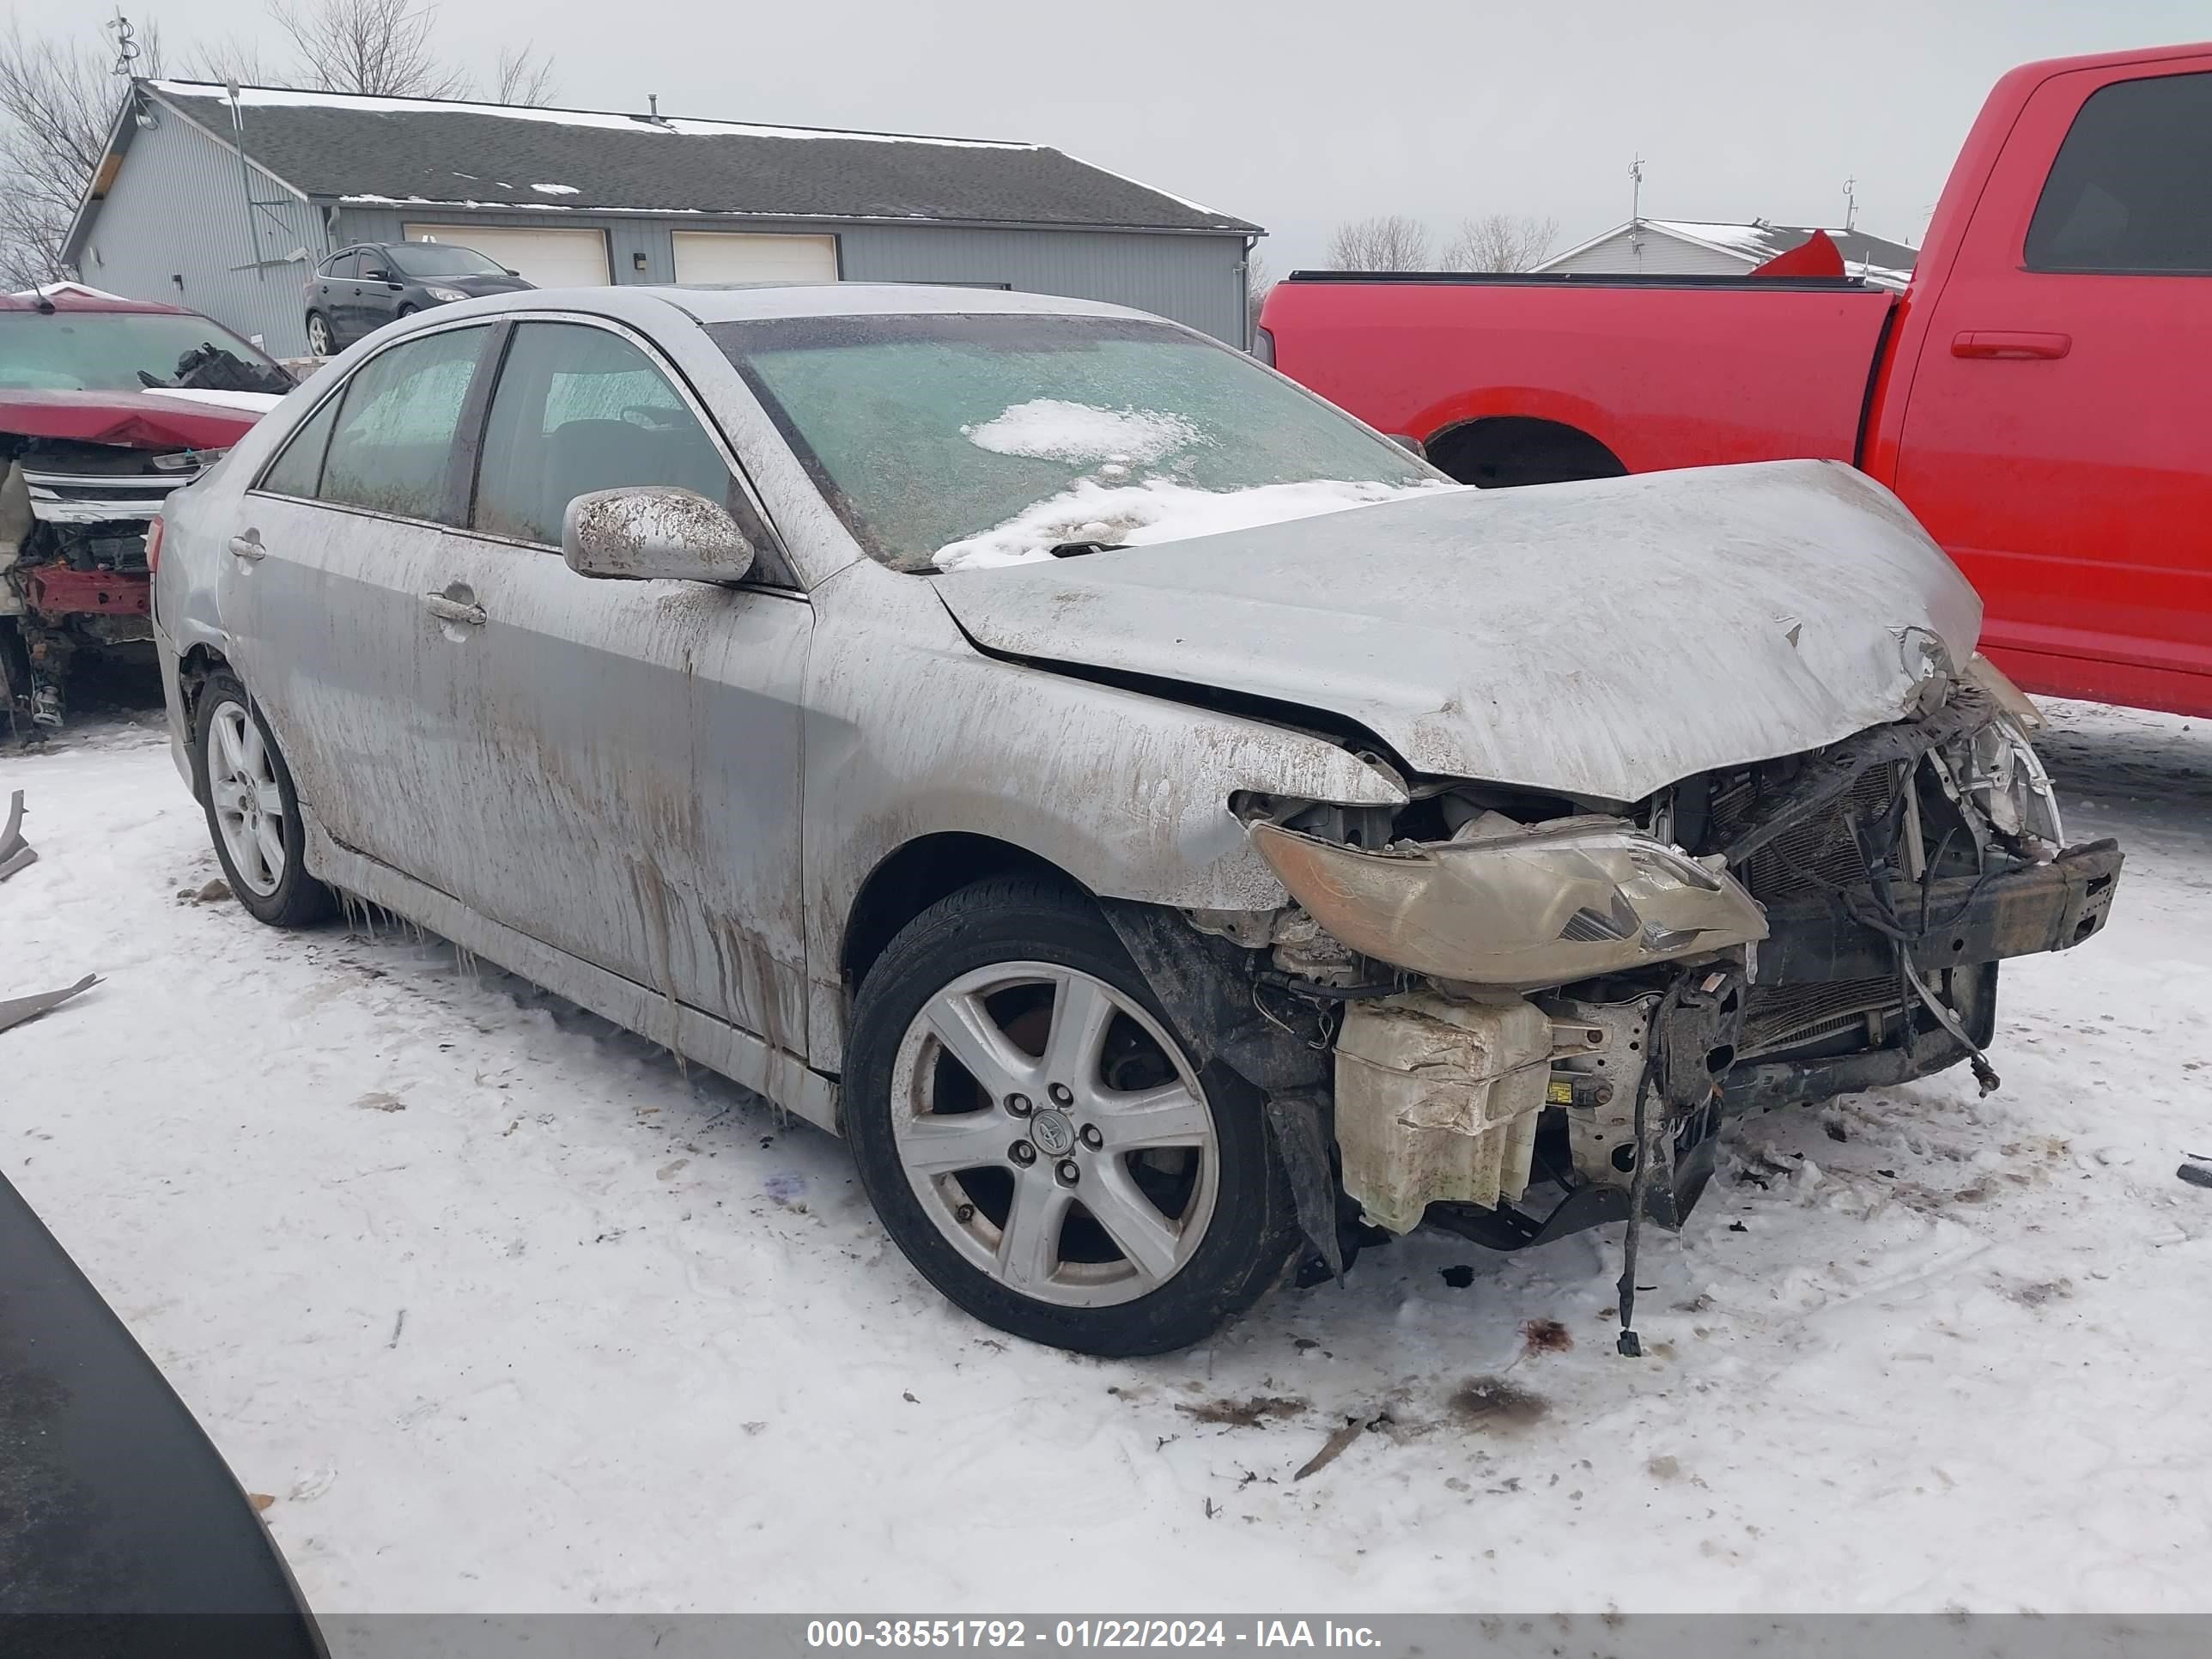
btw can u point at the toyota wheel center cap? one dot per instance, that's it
(1053, 1134)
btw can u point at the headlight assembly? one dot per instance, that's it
(1542, 905)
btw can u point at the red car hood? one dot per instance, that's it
(142, 420)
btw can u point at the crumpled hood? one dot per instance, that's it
(1600, 639)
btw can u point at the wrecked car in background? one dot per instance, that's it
(107, 405)
(1168, 827)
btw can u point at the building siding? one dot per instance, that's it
(173, 228)
(1660, 255)
(1195, 279)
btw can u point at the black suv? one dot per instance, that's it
(359, 290)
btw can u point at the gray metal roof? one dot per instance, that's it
(1759, 241)
(410, 152)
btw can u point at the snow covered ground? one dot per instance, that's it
(505, 1312)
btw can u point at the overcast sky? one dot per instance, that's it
(1303, 112)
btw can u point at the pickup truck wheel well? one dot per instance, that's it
(1502, 452)
(915, 878)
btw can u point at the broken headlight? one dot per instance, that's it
(1541, 905)
(1999, 771)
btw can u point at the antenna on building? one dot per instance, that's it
(127, 51)
(1636, 190)
(1851, 200)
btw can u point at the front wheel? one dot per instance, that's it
(252, 809)
(1038, 1139)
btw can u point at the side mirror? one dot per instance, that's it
(376, 274)
(654, 532)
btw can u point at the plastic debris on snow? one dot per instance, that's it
(15, 852)
(1158, 510)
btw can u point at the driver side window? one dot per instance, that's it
(580, 409)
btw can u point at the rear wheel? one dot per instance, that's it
(1038, 1139)
(252, 811)
(319, 342)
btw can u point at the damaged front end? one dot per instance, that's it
(1534, 1012)
(73, 566)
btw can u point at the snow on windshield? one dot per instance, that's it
(1157, 510)
(1054, 429)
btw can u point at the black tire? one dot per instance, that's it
(297, 899)
(1251, 1232)
(407, 311)
(329, 335)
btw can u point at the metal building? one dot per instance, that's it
(1684, 247)
(219, 200)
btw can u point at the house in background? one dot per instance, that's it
(1689, 247)
(223, 205)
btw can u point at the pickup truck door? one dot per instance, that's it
(2054, 438)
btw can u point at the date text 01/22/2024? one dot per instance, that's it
(1063, 1633)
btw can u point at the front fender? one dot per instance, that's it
(1126, 793)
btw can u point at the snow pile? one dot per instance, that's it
(1157, 510)
(1054, 429)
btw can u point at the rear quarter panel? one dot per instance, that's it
(1663, 377)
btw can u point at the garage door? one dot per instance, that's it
(704, 257)
(551, 258)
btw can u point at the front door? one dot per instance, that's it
(2056, 436)
(621, 760)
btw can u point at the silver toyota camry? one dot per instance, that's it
(1177, 836)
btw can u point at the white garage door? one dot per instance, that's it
(703, 257)
(551, 258)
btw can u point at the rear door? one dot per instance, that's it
(323, 592)
(2056, 437)
(344, 294)
(618, 761)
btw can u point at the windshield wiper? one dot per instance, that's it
(1077, 549)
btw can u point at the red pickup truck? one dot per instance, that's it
(2041, 395)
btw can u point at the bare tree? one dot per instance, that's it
(57, 103)
(378, 47)
(1501, 241)
(233, 57)
(1257, 281)
(1386, 241)
(524, 75)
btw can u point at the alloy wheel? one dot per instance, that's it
(249, 806)
(1054, 1134)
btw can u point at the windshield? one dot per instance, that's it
(948, 442)
(103, 350)
(443, 259)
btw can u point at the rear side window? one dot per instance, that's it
(344, 266)
(579, 408)
(299, 468)
(392, 447)
(2131, 190)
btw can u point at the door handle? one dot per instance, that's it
(454, 610)
(249, 545)
(2010, 344)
